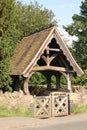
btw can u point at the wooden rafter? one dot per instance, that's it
(64, 62)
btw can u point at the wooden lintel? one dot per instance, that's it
(53, 68)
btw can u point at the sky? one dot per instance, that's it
(62, 9)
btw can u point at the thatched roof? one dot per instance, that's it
(32, 47)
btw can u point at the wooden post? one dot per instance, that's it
(16, 84)
(48, 77)
(47, 51)
(69, 83)
(57, 81)
(25, 85)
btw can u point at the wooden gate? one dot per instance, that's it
(42, 105)
(51, 106)
(59, 106)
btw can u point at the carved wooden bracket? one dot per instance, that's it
(47, 58)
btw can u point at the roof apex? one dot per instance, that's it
(32, 46)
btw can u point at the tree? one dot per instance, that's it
(8, 33)
(17, 21)
(33, 17)
(79, 29)
(79, 48)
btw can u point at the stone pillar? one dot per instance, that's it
(69, 83)
(58, 81)
(25, 85)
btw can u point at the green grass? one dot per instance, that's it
(6, 111)
(79, 109)
(12, 112)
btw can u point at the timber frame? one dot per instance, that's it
(44, 52)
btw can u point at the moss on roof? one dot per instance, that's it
(27, 49)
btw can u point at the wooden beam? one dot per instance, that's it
(25, 85)
(69, 82)
(62, 59)
(44, 58)
(48, 56)
(52, 57)
(53, 68)
(53, 49)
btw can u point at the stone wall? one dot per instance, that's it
(18, 99)
(15, 99)
(79, 96)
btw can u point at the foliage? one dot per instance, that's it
(63, 81)
(10, 112)
(37, 79)
(82, 81)
(33, 17)
(17, 21)
(8, 33)
(79, 48)
(53, 81)
(79, 29)
(79, 109)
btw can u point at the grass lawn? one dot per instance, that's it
(11, 112)
(79, 109)
(6, 111)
